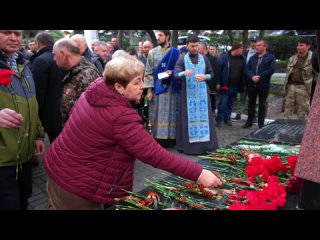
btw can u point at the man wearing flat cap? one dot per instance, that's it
(183, 51)
(252, 50)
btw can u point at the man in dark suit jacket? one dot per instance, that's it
(48, 79)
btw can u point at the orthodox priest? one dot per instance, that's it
(163, 89)
(196, 131)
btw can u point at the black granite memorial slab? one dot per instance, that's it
(282, 131)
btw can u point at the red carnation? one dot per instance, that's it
(5, 76)
(292, 161)
(293, 185)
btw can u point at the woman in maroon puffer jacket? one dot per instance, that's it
(93, 158)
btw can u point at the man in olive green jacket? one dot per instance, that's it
(21, 132)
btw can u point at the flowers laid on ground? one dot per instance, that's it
(259, 169)
(255, 176)
(272, 196)
(293, 185)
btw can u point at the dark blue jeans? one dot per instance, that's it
(262, 93)
(225, 105)
(14, 193)
(213, 102)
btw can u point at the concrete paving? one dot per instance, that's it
(279, 75)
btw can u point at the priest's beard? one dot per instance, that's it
(162, 44)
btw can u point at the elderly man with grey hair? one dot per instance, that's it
(80, 74)
(101, 56)
(94, 43)
(116, 44)
(83, 46)
(110, 48)
(146, 47)
(119, 53)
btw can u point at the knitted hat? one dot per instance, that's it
(236, 45)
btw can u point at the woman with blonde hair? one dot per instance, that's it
(93, 159)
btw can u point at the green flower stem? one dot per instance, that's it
(217, 159)
(19, 133)
(189, 200)
(241, 187)
(230, 166)
(23, 77)
(135, 194)
(134, 203)
(126, 207)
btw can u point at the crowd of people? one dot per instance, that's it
(60, 88)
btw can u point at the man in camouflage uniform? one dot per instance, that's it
(81, 73)
(298, 82)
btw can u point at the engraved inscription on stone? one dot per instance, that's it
(286, 131)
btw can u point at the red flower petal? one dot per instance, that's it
(5, 76)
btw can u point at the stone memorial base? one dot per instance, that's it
(281, 131)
